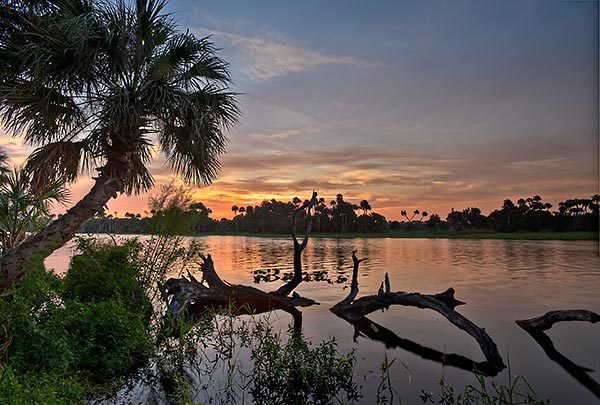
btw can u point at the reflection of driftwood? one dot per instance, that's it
(189, 297)
(366, 327)
(354, 311)
(536, 327)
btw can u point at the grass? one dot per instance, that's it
(579, 235)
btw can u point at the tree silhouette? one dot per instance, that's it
(365, 207)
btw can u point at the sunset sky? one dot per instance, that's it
(409, 104)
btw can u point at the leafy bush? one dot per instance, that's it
(106, 339)
(31, 340)
(90, 328)
(106, 272)
(29, 388)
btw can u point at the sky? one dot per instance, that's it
(427, 105)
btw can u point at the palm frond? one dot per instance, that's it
(41, 113)
(91, 82)
(54, 162)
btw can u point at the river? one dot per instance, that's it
(500, 280)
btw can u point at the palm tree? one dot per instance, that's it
(235, 209)
(405, 215)
(95, 86)
(365, 206)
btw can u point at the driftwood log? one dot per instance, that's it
(536, 327)
(355, 310)
(188, 297)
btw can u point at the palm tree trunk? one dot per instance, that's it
(13, 263)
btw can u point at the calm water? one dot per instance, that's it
(501, 281)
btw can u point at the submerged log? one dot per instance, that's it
(536, 328)
(355, 311)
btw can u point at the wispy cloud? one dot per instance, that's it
(539, 164)
(263, 59)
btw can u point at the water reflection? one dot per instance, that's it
(580, 373)
(500, 280)
(374, 331)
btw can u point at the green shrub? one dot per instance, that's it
(107, 340)
(77, 334)
(32, 341)
(26, 389)
(105, 272)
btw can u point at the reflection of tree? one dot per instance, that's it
(354, 311)
(366, 327)
(536, 327)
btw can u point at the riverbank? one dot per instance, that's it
(565, 236)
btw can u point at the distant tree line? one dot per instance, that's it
(174, 208)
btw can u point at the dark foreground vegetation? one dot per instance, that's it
(87, 334)
(99, 330)
(529, 218)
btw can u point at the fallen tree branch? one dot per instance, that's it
(355, 310)
(189, 297)
(546, 321)
(536, 328)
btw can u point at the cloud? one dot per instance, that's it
(540, 164)
(14, 148)
(263, 59)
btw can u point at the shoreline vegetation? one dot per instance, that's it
(576, 235)
(528, 219)
(558, 236)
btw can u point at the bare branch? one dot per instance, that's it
(546, 321)
(355, 311)
(536, 327)
(287, 288)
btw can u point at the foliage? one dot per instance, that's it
(296, 373)
(45, 388)
(103, 272)
(102, 82)
(184, 215)
(90, 329)
(107, 339)
(233, 360)
(21, 209)
(511, 394)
